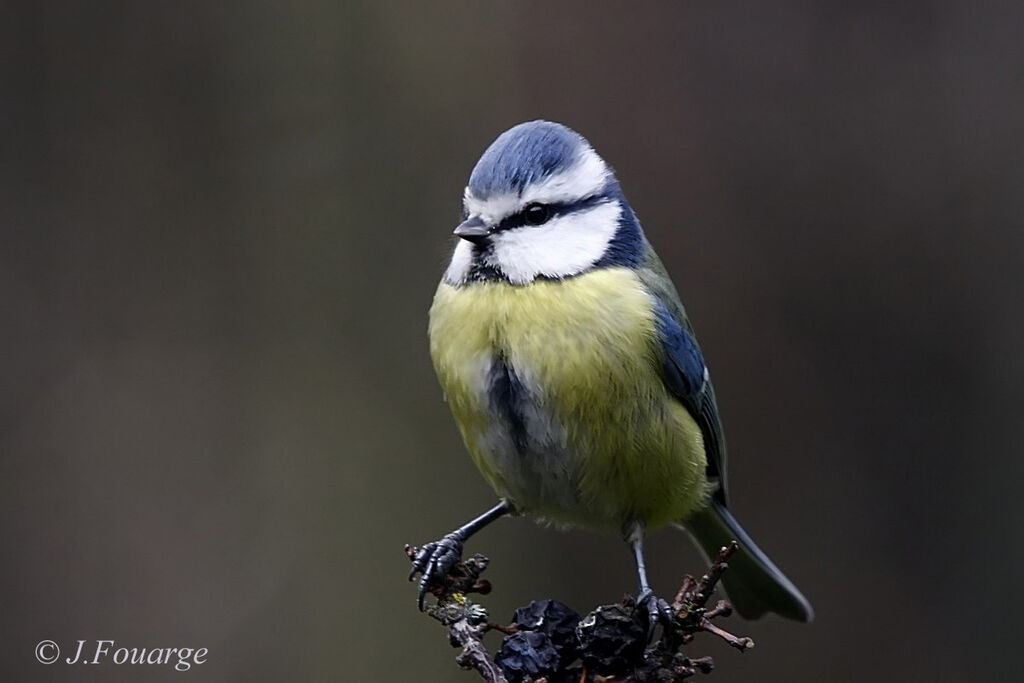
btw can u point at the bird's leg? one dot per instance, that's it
(657, 608)
(435, 559)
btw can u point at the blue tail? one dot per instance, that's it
(754, 584)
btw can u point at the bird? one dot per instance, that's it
(573, 372)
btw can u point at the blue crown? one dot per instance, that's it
(525, 154)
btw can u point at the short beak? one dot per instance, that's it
(473, 230)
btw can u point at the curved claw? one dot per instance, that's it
(433, 562)
(658, 610)
(419, 563)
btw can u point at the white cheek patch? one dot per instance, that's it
(562, 247)
(462, 261)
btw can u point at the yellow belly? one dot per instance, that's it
(605, 443)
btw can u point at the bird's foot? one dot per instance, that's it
(433, 562)
(658, 611)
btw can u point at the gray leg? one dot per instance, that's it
(434, 560)
(641, 568)
(657, 609)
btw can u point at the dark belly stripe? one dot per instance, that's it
(507, 395)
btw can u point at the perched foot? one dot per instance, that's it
(658, 610)
(434, 561)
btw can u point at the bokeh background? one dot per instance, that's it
(222, 224)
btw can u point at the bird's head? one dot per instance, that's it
(541, 203)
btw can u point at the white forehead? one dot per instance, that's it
(587, 176)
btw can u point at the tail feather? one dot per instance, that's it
(754, 584)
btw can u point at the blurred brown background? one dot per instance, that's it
(221, 229)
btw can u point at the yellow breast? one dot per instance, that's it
(606, 441)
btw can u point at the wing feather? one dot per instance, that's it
(683, 369)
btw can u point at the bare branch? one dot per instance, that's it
(550, 643)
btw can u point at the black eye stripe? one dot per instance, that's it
(519, 219)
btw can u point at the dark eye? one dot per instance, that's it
(535, 214)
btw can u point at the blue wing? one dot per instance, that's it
(686, 376)
(682, 365)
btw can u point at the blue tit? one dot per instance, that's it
(573, 372)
